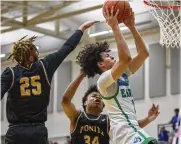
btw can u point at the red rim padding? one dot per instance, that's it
(161, 6)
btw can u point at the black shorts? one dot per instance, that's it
(153, 142)
(27, 134)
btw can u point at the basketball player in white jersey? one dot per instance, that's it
(113, 82)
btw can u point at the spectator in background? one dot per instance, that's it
(174, 120)
(163, 135)
(178, 134)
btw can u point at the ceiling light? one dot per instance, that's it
(99, 33)
(37, 47)
(105, 32)
(123, 28)
(2, 55)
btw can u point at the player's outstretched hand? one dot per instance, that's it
(87, 25)
(153, 112)
(111, 18)
(130, 20)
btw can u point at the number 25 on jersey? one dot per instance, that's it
(29, 86)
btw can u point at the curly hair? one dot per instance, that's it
(92, 88)
(89, 56)
(21, 51)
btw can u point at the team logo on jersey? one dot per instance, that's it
(103, 120)
(123, 82)
(137, 140)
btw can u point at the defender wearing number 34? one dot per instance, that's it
(88, 126)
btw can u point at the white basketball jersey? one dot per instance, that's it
(121, 110)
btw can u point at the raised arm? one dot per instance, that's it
(53, 60)
(142, 52)
(6, 81)
(69, 108)
(122, 47)
(152, 115)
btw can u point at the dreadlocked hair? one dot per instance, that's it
(89, 56)
(92, 88)
(21, 50)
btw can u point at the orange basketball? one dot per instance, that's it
(123, 6)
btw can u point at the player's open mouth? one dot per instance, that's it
(98, 101)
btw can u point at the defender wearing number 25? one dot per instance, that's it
(28, 86)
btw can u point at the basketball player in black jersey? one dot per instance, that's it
(88, 126)
(28, 87)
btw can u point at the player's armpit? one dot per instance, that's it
(143, 53)
(70, 111)
(137, 62)
(6, 81)
(119, 68)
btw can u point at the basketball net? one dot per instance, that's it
(167, 13)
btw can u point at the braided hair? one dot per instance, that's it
(21, 50)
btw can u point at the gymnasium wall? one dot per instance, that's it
(58, 124)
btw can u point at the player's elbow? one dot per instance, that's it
(126, 59)
(65, 100)
(144, 54)
(140, 124)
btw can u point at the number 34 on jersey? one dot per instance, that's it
(88, 140)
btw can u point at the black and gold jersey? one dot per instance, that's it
(91, 129)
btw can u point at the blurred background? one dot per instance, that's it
(157, 81)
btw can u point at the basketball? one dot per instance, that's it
(123, 6)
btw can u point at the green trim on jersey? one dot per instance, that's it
(111, 97)
(142, 135)
(117, 102)
(147, 140)
(125, 115)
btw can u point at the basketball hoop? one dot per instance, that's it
(167, 13)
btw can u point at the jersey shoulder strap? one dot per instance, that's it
(12, 71)
(45, 72)
(77, 121)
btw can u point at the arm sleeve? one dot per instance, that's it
(52, 61)
(6, 81)
(104, 81)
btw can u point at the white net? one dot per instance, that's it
(167, 14)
